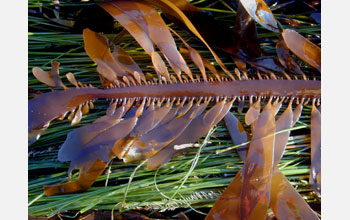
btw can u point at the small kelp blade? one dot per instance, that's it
(261, 13)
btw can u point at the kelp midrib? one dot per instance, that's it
(66, 100)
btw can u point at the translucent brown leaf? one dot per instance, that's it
(257, 170)
(285, 59)
(261, 13)
(286, 202)
(50, 78)
(96, 46)
(237, 133)
(138, 17)
(228, 205)
(125, 60)
(303, 48)
(315, 172)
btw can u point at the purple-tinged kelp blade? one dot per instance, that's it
(261, 13)
(195, 130)
(284, 122)
(303, 48)
(150, 119)
(315, 172)
(253, 112)
(156, 139)
(297, 112)
(257, 170)
(237, 133)
(93, 157)
(78, 138)
(44, 108)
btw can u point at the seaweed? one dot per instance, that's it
(156, 118)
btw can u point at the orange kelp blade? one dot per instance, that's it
(303, 48)
(170, 8)
(138, 16)
(50, 78)
(315, 172)
(97, 47)
(87, 177)
(257, 170)
(261, 13)
(125, 60)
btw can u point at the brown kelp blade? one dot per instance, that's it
(131, 26)
(245, 25)
(87, 177)
(303, 48)
(71, 79)
(159, 66)
(193, 54)
(315, 172)
(261, 13)
(253, 112)
(286, 202)
(237, 133)
(50, 78)
(286, 59)
(150, 22)
(97, 47)
(248, 37)
(171, 9)
(227, 206)
(125, 60)
(257, 170)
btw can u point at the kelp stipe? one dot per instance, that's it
(156, 118)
